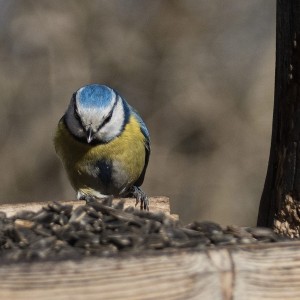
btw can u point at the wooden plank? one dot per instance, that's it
(269, 271)
(176, 276)
(257, 271)
(159, 203)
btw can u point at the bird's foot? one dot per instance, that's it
(87, 198)
(105, 199)
(140, 197)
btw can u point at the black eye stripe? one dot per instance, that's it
(76, 113)
(105, 121)
(108, 118)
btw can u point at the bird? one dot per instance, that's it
(104, 145)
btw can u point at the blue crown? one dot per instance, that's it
(95, 95)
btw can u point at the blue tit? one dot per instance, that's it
(104, 145)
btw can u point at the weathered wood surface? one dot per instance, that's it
(261, 271)
(159, 203)
(270, 271)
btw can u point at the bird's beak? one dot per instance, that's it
(90, 135)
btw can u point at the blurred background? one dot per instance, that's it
(201, 73)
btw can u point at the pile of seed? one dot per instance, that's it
(100, 229)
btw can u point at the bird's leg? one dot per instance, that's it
(140, 197)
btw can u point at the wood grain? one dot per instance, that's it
(270, 271)
(267, 272)
(161, 277)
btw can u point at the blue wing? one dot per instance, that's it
(146, 134)
(144, 128)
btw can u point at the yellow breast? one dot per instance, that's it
(127, 152)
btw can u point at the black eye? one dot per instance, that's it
(76, 114)
(108, 118)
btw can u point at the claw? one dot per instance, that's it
(140, 197)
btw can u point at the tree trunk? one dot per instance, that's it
(280, 201)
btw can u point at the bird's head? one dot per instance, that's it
(95, 114)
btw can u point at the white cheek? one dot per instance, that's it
(114, 127)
